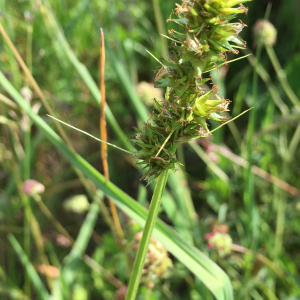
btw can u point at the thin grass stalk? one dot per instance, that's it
(90, 188)
(287, 119)
(249, 190)
(88, 260)
(26, 242)
(26, 198)
(254, 169)
(103, 135)
(214, 168)
(36, 281)
(8, 102)
(269, 84)
(295, 141)
(32, 221)
(160, 26)
(27, 162)
(279, 201)
(289, 92)
(261, 258)
(147, 233)
(29, 47)
(282, 77)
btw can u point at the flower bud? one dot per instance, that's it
(265, 31)
(219, 239)
(49, 271)
(77, 204)
(26, 93)
(32, 187)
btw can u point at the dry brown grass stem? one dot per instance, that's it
(103, 135)
(261, 258)
(256, 170)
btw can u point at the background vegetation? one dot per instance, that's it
(259, 205)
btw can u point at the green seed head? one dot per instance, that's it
(205, 38)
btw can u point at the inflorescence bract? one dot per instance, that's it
(200, 46)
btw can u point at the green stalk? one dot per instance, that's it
(210, 164)
(269, 84)
(281, 76)
(147, 233)
(30, 270)
(27, 251)
(160, 26)
(294, 142)
(26, 166)
(289, 92)
(29, 47)
(280, 223)
(249, 191)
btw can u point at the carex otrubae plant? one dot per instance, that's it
(201, 44)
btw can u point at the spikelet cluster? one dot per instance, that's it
(157, 261)
(205, 37)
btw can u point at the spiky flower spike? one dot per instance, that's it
(201, 45)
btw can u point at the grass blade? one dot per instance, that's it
(32, 274)
(81, 243)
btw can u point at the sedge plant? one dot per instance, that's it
(201, 44)
(205, 37)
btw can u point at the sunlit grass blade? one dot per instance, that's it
(81, 242)
(12, 294)
(32, 274)
(215, 169)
